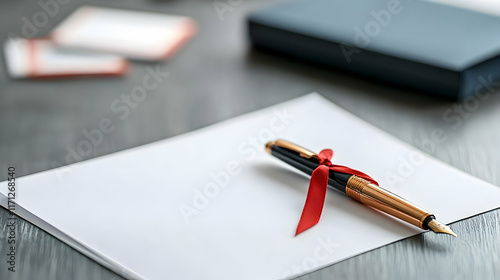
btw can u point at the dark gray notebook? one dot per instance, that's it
(441, 49)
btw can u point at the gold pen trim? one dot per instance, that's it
(385, 201)
(303, 152)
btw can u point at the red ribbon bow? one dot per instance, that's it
(317, 189)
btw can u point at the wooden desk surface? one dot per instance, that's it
(216, 77)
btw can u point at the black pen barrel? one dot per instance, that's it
(336, 180)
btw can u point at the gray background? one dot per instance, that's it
(215, 77)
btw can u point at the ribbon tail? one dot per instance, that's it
(315, 199)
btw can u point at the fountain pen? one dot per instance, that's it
(358, 188)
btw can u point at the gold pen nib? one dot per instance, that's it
(438, 227)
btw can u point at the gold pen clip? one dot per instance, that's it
(303, 152)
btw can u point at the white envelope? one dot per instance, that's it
(212, 204)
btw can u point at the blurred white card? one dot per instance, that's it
(139, 35)
(39, 58)
(212, 204)
(485, 6)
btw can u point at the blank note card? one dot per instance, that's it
(139, 35)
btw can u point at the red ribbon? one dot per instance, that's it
(317, 189)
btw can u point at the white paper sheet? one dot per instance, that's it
(244, 204)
